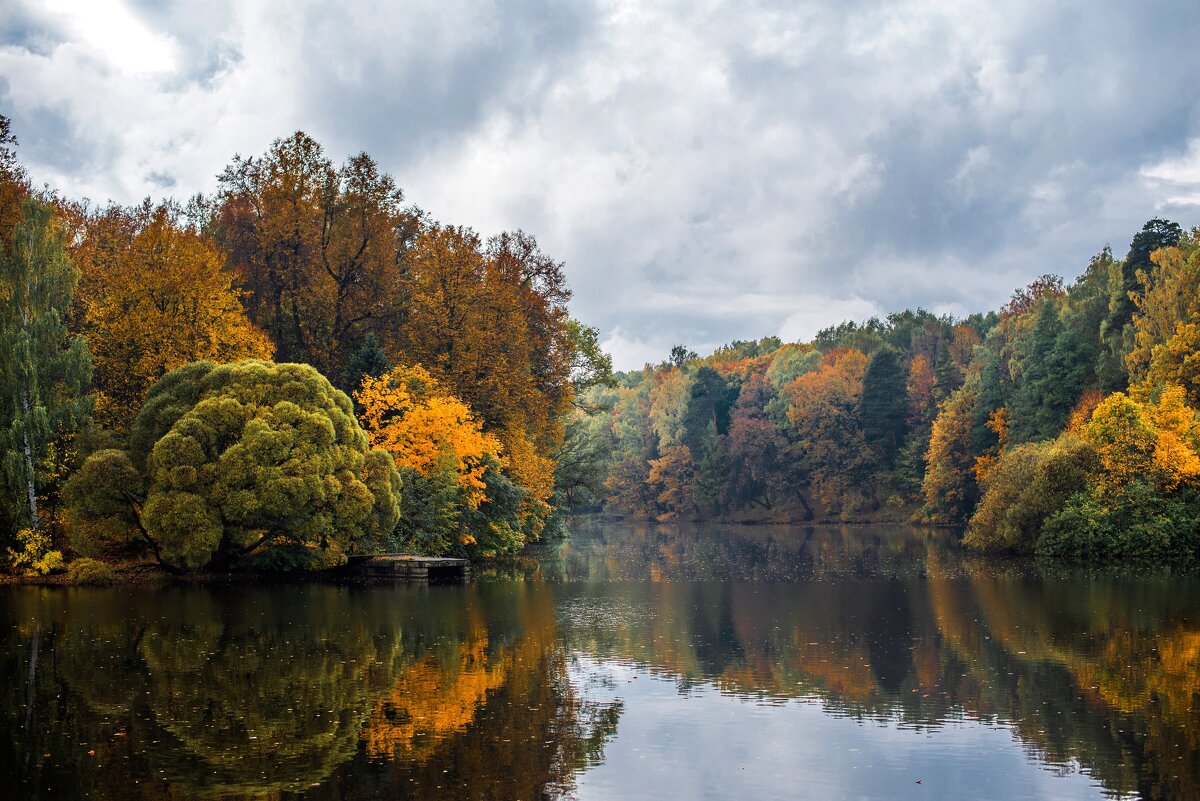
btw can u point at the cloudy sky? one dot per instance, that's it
(707, 171)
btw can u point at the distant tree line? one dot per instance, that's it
(1063, 423)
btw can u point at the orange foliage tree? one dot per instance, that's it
(317, 247)
(949, 486)
(406, 413)
(155, 296)
(823, 413)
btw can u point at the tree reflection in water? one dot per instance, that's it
(251, 693)
(470, 692)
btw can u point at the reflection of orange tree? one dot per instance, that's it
(1137, 663)
(435, 697)
(452, 711)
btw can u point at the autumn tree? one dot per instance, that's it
(491, 323)
(761, 470)
(155, 296)
(317, 247)
(672, 475)
(1167, 322)
(790, 362)
(1116, 331)
(669, 399)
(14, 185)
(444, 458)
(406, 413)
(635, 445)
(949, 487)
(44, 370)
(1027, 485)
(1142, 505)
(824, 424)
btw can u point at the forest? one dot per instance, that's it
(1062, 424)
(304, 365)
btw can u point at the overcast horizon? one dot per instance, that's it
(708, 172)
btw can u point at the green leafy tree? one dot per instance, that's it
(1027, 485)
(44, 370)
(681, 355)
(247, 461)
(369, 360)
(591, 367)
(710, 403)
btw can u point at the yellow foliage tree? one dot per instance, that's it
(1167, 296)
(408, 414)
(1177, 361)
(1159, 441)
(949, 486)
(1176, 451)
(997, 422)
(154, 297)
(532, 472)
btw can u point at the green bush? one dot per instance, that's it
(91, 571)
(1138, 525)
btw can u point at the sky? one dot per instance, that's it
(706, 171)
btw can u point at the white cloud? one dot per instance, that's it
(1178, 176)
(631, 353)
(708, 172)
(815, 313)
(108, 29)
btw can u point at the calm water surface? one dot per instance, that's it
(630, 662)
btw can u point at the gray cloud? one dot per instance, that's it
(707, 171)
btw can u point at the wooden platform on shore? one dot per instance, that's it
(408, 567)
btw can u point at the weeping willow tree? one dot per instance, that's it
(44, 370)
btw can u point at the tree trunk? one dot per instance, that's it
(31, 490)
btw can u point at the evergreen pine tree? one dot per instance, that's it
(884, 405)
(1053, 378)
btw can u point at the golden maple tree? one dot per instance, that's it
(407, 413)
(154, 296)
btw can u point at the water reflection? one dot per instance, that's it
(261, 693)
(1099, 671)
(594, 666)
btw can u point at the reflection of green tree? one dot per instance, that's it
(246, 693)
(256, 705)
(240, 692)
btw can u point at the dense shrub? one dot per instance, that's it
(91, 571)
(1137, 525)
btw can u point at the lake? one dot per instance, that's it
(630, 662)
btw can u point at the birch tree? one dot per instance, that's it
(44, 371)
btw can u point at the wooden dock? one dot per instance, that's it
(408, 567)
